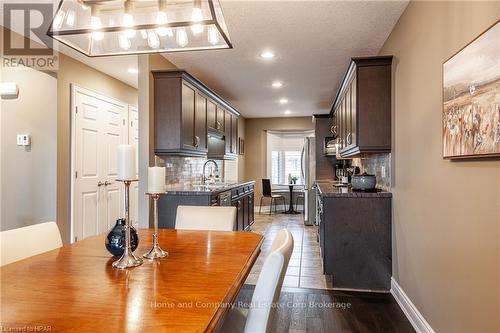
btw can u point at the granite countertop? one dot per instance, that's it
(327, 189)
(198, 189)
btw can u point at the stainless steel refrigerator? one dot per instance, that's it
(308, 168)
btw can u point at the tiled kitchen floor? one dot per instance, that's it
(304, 269)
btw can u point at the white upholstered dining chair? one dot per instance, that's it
(205, 218)
(21, 243)
(259, 317)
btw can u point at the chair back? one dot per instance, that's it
(205, 218)
(268, 288)
(266, 187)
(21, 243)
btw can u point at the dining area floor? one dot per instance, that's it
(304, 268)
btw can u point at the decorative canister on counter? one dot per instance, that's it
(115, 241)
(363, 182)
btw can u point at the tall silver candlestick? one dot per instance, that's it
(156, 252)
(128, 258)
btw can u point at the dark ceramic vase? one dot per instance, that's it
(115, 241)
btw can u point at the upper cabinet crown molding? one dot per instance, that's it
(361, 111)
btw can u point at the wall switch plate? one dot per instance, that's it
(382, 171)
(23, 140)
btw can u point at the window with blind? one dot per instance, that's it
(284, 151)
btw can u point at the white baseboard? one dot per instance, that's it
(410, 310)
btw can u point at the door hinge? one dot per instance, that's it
(123, 122)
(76, 109)
(131, 123)
(76, 174)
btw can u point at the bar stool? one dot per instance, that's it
(300, 197)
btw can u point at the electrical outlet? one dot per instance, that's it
(19, 139)
(382, 171)
(23, 140)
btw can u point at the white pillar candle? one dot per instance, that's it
(156, 180)
(126, 163)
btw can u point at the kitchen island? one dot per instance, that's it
(238, 195)
(355, 236)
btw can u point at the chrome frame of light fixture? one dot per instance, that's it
(183, 24)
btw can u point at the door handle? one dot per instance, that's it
(99, 184)
(106, 183)
(196, 141)
(349, 138)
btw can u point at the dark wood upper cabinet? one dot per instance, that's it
(362, 107)
(211, 115)
(200, 126)
(185, 110)
(234, 135)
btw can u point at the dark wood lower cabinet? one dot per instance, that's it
(355, 242)
(240, 196)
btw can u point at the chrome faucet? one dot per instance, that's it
(205, 166)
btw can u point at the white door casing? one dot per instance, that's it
(100, 124)
(133, 139)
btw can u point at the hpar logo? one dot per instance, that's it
(25, 41)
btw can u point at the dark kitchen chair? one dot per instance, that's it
(267, 193)
(300, 197)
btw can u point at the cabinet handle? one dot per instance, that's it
(218, 125)
(349, 138)
(99, 184)
(196, 141)
(106, 183)
(333, 129)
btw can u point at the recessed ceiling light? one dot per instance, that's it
(133, 70)
(267, 55)
(283, 101)
(287, 112)
(277, 84)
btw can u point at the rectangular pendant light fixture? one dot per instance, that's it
(121, 27)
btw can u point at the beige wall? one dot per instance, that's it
(446, 214)
(28, 173)
(73, 71)
(256, 143)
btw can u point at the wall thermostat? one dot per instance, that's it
(23, 140)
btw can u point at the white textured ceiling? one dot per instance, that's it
(313, 42)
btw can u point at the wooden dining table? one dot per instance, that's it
(75, 288)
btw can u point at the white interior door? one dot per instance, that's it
(133, 139)
(100, 126)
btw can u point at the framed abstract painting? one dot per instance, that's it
(471, 99)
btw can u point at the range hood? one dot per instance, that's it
(217, 147)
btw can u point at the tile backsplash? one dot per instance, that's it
(374, 164)
(185, 170)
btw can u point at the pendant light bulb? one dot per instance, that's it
(128, 19)
(153, 40)
(213, 36)
(197, 16)
(95, 20)
(181, 37)
(162, 19)
(124, 42)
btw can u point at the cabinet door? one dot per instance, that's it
(240, 216)
(188, 116)
(347, 104)
(234, 134)
(200, 132)
(251, 216)
(354, 119)
(211, 114)
(227, 131)
(246, 222)
(220, 120)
